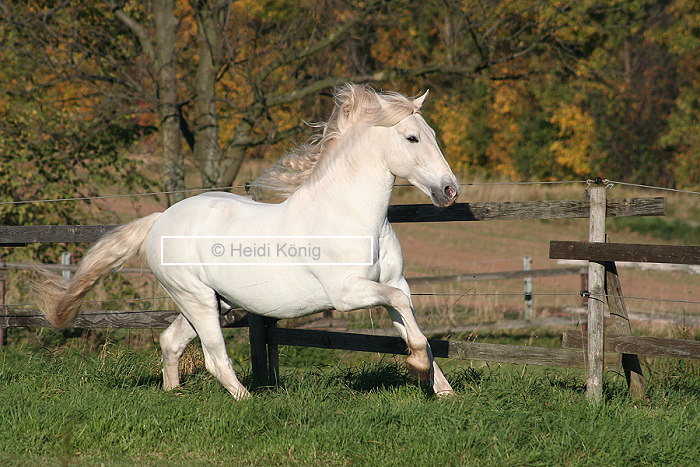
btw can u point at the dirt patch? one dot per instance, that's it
(479, 247)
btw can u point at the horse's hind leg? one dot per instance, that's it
(173, 342)
(201, 310)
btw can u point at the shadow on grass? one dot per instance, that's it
(366, 378)
(565, 382)
(135, 379)
(467, 380)
(370, 378)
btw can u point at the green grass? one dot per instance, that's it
(668, 229)
(62, 404)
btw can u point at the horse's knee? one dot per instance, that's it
(170, 346)
(419, 364)
(175, 338)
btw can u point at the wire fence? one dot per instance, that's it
(470, 293)
(650, 187)
(129, 195)
(609, 183)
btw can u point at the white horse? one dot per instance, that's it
(336, 186)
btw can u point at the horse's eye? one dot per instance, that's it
(412, 139)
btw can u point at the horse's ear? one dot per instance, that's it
(351, 101)
(420, 100)
(346, 112)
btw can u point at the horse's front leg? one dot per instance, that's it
(437, 379)
(364, 293)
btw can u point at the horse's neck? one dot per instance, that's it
(353, 183)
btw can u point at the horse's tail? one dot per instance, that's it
(59, 299)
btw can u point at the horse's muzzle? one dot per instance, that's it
(446, 195)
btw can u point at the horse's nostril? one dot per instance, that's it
(450, 191)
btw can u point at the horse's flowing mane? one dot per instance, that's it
(354, 104)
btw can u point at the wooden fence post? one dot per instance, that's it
(65, 260)
(273, 359)
(596, 281)
(620, 326)
(258, 350)
(527, 266)
(3, 278)
(264, 356)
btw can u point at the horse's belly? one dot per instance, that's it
(277, 296)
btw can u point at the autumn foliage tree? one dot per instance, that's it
(523, 90)
(60, 136)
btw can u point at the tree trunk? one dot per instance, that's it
(173, 159)
(234, 160)
(211, 20)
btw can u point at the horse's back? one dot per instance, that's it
(281, 291)
(212, 214)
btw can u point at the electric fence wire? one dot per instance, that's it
(417, 294)
(247, 186)
(650, 187)
(129, 195)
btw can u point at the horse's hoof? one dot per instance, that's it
(446, 394)
(241, 394)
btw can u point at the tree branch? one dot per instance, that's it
(378, 76)
(138, 30)
(316, 47)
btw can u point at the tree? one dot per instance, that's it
(625, 84)
(58, 139)
(526, 89)
(680, 36)
(227, 77)
(161, 56)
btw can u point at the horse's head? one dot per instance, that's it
(413, 153)
(391, 127)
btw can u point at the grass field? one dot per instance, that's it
(64, 404)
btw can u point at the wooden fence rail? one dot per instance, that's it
(94, 319)
(499, 353)
(62, 267)
(653, 346)
(673, 254)
(518, 210)
(14, 235)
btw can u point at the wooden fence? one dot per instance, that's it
(604, 285)
(18, 235)
(265, 336)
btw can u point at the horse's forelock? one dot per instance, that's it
(357, 104)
